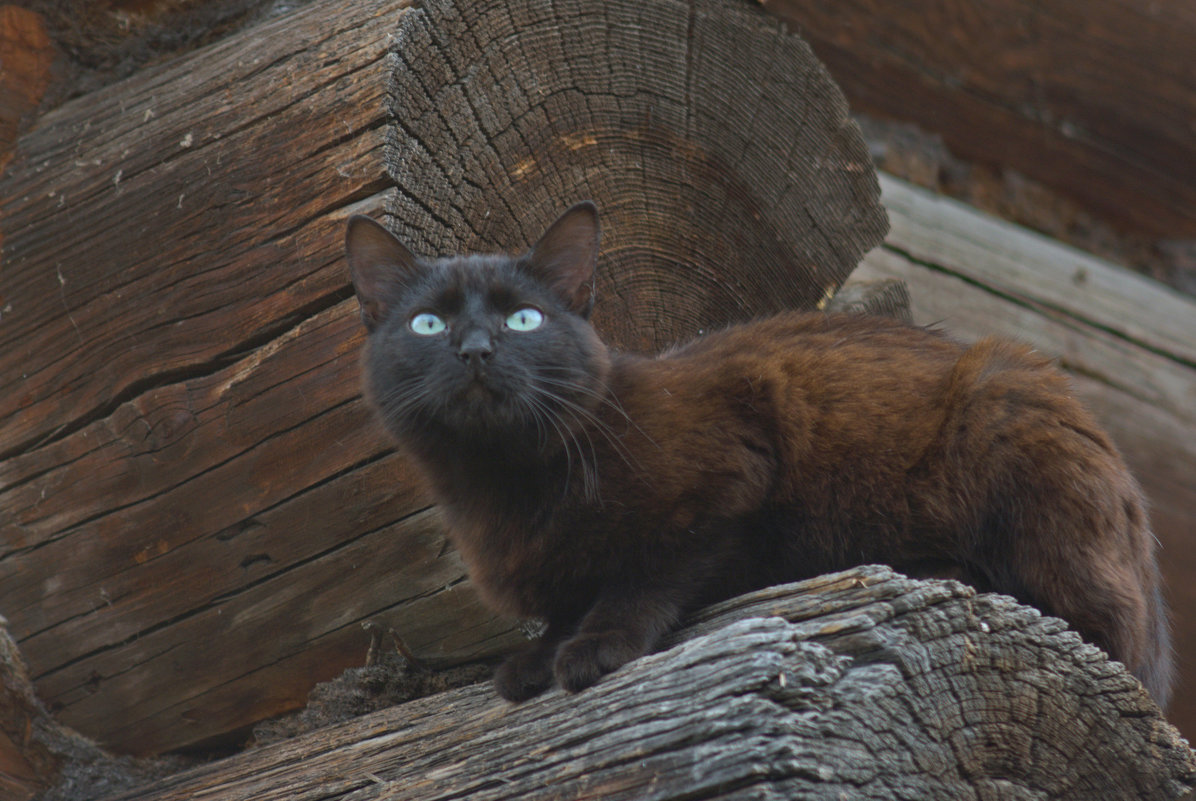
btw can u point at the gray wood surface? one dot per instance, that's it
(861, 684)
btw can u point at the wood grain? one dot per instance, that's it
(1094, 98)
(730, 179)
(178, 348)
(861, 684)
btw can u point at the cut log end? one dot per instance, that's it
(729, 185)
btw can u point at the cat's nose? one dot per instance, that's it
(475, 348)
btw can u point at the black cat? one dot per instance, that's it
(607, 494)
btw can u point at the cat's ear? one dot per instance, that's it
(380, 266)
(565, 256)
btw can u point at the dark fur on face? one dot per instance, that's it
(608, 494)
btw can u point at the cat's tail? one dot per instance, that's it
(1157, 672)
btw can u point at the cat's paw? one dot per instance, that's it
(524, 675)
(584, 659)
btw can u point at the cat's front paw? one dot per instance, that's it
(584, 659)
(524, 675)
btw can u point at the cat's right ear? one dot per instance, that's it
(565, 256)
(380, 266)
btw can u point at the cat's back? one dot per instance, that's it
(820, 357)
(800, 335)
(828, 386)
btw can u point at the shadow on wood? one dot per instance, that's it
(1093, 98)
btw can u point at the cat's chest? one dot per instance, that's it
(524, 567)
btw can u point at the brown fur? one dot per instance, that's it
(775, 451)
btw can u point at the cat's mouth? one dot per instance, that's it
(480, 394)
(478, 391)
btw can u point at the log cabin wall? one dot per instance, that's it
(115, 430)
(199, 511)
(1096, 98)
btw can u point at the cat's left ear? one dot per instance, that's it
(565, 256)
(380, 266)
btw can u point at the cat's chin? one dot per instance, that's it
(484, 413)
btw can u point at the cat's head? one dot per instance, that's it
(484, 347)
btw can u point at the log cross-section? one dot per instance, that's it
(731, 181)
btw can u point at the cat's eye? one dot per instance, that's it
(526, 319)
(427, 324)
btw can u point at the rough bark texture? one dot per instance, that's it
(196, 509)
(861, 685)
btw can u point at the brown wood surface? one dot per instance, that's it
(861, 685)
(730, 180)
(197, 511)
(27, 765)
(181, 431)
(1095, 98)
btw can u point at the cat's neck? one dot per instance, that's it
(505, 474)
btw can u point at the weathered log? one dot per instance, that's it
(862, 685)
(1128, 343)
(40, 758)
(196, 509)
(27, 765)
(175, 348)
(1092, 97)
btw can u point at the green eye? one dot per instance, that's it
(427, 324)
(525, 319)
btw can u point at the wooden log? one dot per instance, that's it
(199, 270)
(862, 685)
(196, 510)
(1129, 344)
(27, 765)
(1093, 98)
(42, 759)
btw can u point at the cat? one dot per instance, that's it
(608, 493)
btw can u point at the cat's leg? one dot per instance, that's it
(625, 623)
(528, 672)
